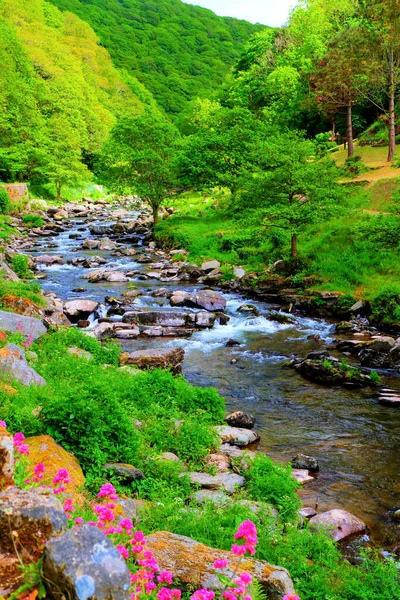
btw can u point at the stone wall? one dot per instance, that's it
(16, 191)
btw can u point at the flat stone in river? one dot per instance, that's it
(155, 359)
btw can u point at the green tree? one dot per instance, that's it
(290, 188)
(139, 157)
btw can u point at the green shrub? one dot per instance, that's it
(20, 264)
(31, 290)
(386, 305)
(5, 203)
(355, 165)
(33, 220)
(272, 482)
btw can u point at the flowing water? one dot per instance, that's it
(354, 438)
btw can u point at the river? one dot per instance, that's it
(354, 438)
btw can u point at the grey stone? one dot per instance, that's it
(240, 419)
(237, 436)
(27, 325)
(79, 309)
(206, 496)
(163, 358)
(207, 299)
(79, 353)
(226, 481)
(107, 244)
(14, 363)
(83, 564)
(49, 259)
(210, 265)
(35, 515)
(170, 456)
(302, 475)
(340, 524)
(126, 473)
(302, 461)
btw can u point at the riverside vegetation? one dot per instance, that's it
(238, 135)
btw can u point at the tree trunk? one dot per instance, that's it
(294, 245)
(333, 132)
(58, 188)
(392, 132)
(155, 213)
(350, 145)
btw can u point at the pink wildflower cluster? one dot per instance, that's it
(248, 533)
(60, 480)
(19, 445)
(38, 473)
(68, 508)
(28, 342)
(3, 424)
(291, 597)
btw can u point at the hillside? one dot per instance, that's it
(178, 51)
(60, 93)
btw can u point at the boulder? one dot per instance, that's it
(210, 265)
(214, 497)
(49, 259)
(117, 277)
(89, 244)
(237, 436)
(340, 524)
(107, 244)
(240, 419)
(229, 482)
(302, 475)
(307, 512)
(155, 359)
(83, 563)
(44, 449)
(192, 563)
(220, 462)
(170, 456)
(77, 310)
(302, 461)
(163, 318)
(17, 323)
(131, 507)
(6, 459)
(31, 516)
(126, 473)
(207, 299)
(179, 298)
(13, 362)
(239, 272)
(21, 306)
(249, 309)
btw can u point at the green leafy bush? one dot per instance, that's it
(5, 203)
(386, 305)
(20, 264)
(31, 290)
(33, 220)
(271, 482)
(355, 165)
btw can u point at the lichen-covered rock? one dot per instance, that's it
(21, 306)
(14, 363)
(192, 563)
(83, 563)
(240, 419)
(27, 325)
(6, 459)
(155, 359)
(237, 436)
(340, 524)
(28, 518)
(43, 449)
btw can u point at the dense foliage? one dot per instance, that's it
(177, 50)
(60, 95)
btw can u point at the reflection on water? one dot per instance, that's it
(354, 438)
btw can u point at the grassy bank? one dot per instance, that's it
(103, 413)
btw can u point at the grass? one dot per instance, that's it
(374, 159)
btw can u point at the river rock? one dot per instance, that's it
(248, 309)
(239, 272)
(89, 244)
(83, 563)
(116, 277)
(167, 358)
(302, 475)
(307, 512)
(127, 334)
(240, 419)
(44, 449)
(162, 318)
(237, 436)
(207, 299)
(302, 461)
(77, 310)
(210, 265)
(126, 473)
(17, 323)
(192, 563)
(220, 462)
(205, 319)
(6, 459)
(49, 259)
(13, 363)
(226, 481)
(179, 298)
(35, 515)
(107, 244)
(340, 524)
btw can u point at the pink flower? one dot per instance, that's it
(165, 577)
(167, 594)
(79, 521)
(123, 551)
(107, 490)
(23, 449)
(291, 597)
(150, 587)
(238, 550)
(38, 472)
(3, 424)
(248, 533)
(245, 578)
(203, 594)
(229, 596)
(220, 564)
(62, 476)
